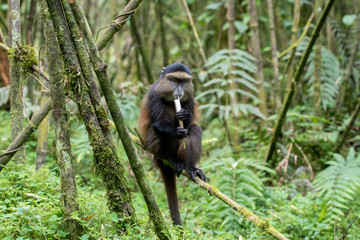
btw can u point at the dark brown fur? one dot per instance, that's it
(158, 126)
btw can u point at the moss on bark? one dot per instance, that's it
(16, 109)
(62, 135)
(107, 163)
(135, 162)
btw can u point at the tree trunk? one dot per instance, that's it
(256, 51)
(16, 108)
(351, 61)
(107, 162)
(24, 135)
(118, 23)
(143, 53)
(299, 72)
(280, 30)
(62, 136)
(41, 149)
(349, 126)
(164, 47)
(29, 30)
(294, 30)
(275, 61)
(135, 162)
(231, 45)
(317, 61)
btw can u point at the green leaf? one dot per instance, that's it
(349, 19)
(114, 217)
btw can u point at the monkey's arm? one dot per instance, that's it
(166, 127)
(192, 152)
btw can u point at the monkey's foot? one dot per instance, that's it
(178, 167)
(196, 172)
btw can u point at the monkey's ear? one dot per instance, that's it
(162, 72)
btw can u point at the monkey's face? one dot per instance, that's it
(175, 85)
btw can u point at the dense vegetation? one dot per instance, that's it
(308, 189)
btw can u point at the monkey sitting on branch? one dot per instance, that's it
(172, 133)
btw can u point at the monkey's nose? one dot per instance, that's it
(178, 92)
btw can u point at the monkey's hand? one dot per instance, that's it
(183, 115)
(181, 132)
(196, 172)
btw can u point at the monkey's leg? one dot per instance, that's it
(191, 153)
(169, 179)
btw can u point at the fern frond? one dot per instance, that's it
(338, 184)
(229, 69)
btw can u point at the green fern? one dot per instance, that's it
(330, 75)
(338, 184)
(227, 70)
(239, 179)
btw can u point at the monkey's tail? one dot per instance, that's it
(169, 179)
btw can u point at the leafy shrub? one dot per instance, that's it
(338, 184)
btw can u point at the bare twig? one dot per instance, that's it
(347, 229)
(193, 27)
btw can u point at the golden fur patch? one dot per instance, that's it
(179, 75)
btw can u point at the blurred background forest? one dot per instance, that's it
(243, 56)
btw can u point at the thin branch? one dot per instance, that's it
(193, 27)
(213, 191)
(24, 135)
(118, 23)
(347, 229)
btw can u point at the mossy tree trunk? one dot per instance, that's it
(24, 135)
(16, 108)
(83, 91)
(135, 162)
(62, 136)
(295, 80)
(118, 23)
